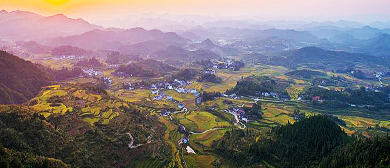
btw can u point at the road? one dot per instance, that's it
(131, 146)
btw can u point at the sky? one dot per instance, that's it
(94, 10)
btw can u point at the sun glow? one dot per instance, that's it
(57, 2)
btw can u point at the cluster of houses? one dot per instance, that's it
(177, 85)
(239, 113)
(70, 57)
(184, 140)
(92, 73)
(270, 94)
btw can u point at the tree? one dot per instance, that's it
(256, 110)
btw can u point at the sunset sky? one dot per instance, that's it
(98, 9)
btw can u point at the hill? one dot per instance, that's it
(208, 45)
(259, 85)
(180, 54)
(20, 80)
(68, 50)
(143, 48)
(379, 45)
(84, 126)
(114, 39)
(317, 58)
(364, 33)
(145, 68)
(11, 158)
(372, 152)
(33, 47)
(301, 144)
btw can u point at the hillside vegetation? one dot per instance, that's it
(20, 80)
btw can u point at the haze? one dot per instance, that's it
(98, 11)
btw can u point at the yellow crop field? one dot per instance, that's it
(300, 82)
(92, 110)
(295, 90)
(207, 139)
(91, 121)
(205, 120)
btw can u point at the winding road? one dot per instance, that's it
(132, 142)
(204, 131)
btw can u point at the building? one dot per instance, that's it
(182, 129)
(316, 98)
(197, 94)
(154, 91)
(169, 98)
(193, 91)
(159, 97)
(198, 101)
(180, 90)
(180, 105)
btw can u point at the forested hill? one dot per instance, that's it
(20, 80)
(302, 144)
(373, 152)
(317, 58)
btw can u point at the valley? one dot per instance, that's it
(82, 95)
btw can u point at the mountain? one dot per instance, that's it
(143, 48)
(345, 38)
(20, 80)
(325, 31)
(33, 47)
(114, 39)
(97, 130)
(370, 152)
(255, 35)
(386, 31)
(175, 52)
(340, 24)
(68, 50)
(146, 68)
(190, 35)
(317, 58)
(210, 46)
(380, 25)
(364, 33)
(380, 45)
(20, 26)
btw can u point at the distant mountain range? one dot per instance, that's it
(210, 46)
(114, 39)
(180, 54)
(313, 57)
(21, 25)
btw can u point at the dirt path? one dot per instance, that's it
(131, 143)
(204, 131)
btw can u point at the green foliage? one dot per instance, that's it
(256, 110)
(93, 62)
(339, 99)
(146, 68)
(255, 85)
(313, 57)
(69, 138)
(210, 78)
(20, 80)
(186, 74)
(307, 74)
(300, 144)
(371, 152)
(13, 159)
